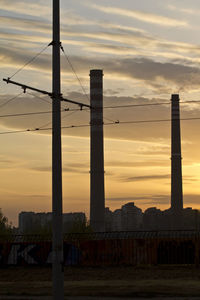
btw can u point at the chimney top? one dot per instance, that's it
(96, 73)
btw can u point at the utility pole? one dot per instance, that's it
(176, 164)
(57, 224)
(56, 96)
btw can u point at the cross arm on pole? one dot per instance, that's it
(75, 102)
(25, 87)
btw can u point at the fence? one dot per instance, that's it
(111, 248)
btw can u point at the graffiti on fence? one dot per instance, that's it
(104, 252)
(39, 253)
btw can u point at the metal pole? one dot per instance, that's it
(57, 242)
(176, 165)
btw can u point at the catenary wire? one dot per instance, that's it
(73, 70)
(105, 124)
(37, 113)
(30, 61)
(111, 120)
(84, 109)
(11, 99)
(40, 98)
(46, 124)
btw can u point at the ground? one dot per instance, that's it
(132, 282)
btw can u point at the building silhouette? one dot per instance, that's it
(30, 222)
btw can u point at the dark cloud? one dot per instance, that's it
(189, 200)
(41, 169)
(78, 165)
(124, 198)
(144, 178)
(144, 163)
(149, 71)
(186, 179)
(67, 168)
(143, 200)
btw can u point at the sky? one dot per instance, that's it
(148, 50)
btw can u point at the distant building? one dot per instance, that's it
(25, 221)
(191, 219)
(152, 218)
(128, 218)
(73, 221)
(108, 219)
(36, 222)
(131, 217)
(117, 220)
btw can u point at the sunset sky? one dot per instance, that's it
(147, 50)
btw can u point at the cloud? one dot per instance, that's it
(144, 178)
(124, 198)
(8, 162)
(25, 24)
(189, 200)
(79, 168)
(189, 10)
(131, 40)
(42, 169)
(148, 199)
(138, 132)
(141, 16)
(157, 75)
(143, 163)
(26, 7)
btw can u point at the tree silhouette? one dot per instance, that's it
(5, 226)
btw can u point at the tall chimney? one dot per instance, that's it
(176, 165)
(97, 194)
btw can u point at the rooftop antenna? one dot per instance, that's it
(57, 225)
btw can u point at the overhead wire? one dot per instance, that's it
(136, 105)
(36, 96)
(78, 109)
(11, 99)
(111, 120)
(73, 70)
(105, 124)
(30, 61)
(46, 124)
(37, 113)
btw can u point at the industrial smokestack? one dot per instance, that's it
(97, 194)
(176, 165)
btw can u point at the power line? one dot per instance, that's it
(191, 101)
(14, 131)
(148, 104)
(111, 120)
(137, 105)
(73, 70)
(11, 99)
(30, 61)
(37, 113)
(105, 124)
(86, 109)
(46, 124)
(36, 96)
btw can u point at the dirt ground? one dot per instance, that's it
(105, 281)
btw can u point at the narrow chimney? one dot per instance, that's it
(176, 164)
(97, 194)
